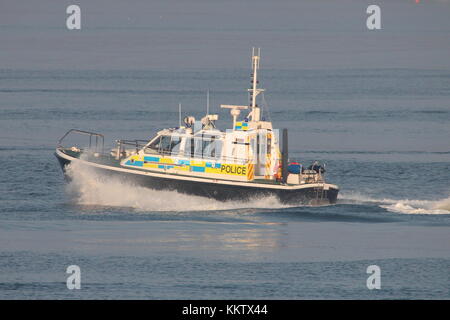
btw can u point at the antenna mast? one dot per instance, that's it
(254, 91)
(207, 102)
(179, 114)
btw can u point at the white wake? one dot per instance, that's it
(88, 187)
(405, 206)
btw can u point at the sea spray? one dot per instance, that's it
(443, 204)
(89, 187)
(405, 206)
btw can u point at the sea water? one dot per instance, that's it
(382, 129)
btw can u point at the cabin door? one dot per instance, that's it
(261, 146)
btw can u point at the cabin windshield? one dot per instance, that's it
(164, 144)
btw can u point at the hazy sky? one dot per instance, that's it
(192, 34)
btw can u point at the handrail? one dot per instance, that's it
(137, 143)
(91, 134)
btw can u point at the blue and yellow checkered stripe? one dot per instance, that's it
(243, 126)
(186, 165)
(168, 163)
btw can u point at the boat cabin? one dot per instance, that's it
(249, 150)
(243, 153)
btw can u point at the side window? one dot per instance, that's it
(212, 147)
(154, 146)
(189, 148)
(217, 149)
(263, 147)
(198, 152)
(208, 147)
(191, 144)
(165, 144)
(253, 148)
(205, 147)
(175, 144)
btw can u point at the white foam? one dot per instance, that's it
(88, 187)
(443, 204)
(357, 197)
(405, 206)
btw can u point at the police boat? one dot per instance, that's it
(248, 161)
